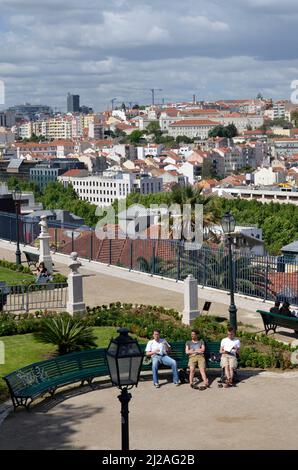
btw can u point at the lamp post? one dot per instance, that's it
(228, 226)
(124, 358)
(17, 195)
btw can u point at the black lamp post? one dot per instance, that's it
(228, 226)
(124, 358)
(17, 195)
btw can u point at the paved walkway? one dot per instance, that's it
(251, 416)
(104, 284)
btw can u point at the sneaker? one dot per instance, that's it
(156, 385)
(176, 383)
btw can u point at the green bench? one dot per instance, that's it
(36, 379)
(212, 355)
(272, 320)
(31, 258)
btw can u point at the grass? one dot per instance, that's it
(13, 277)
(21, 350)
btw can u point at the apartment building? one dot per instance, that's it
(192, 128)
(104, 189)
(226, 160)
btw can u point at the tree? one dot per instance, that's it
(294, 117)
(228, 131)
(154, 265)
(68, 334)
(217, 131)
(154, 128)
(208, 170)
(183, 139)
(136, 136)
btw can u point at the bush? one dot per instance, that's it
(67, 333)
(14, 267)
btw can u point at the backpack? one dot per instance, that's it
(183, 376)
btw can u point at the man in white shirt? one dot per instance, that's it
(158, 349)
(229, 348)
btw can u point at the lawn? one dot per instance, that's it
(21, 350)
(14, 277)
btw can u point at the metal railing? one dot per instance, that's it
(24, 298)
(266, 277)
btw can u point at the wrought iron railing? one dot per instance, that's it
(266, 277)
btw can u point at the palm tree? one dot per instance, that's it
(190, 195)
(154, 265)
(68, 333)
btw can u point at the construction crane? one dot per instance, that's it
(153, 90)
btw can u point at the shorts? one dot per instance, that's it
(228, 360)
(197, 361)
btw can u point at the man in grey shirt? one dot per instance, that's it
(195, 350)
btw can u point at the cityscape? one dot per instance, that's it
(148, 220)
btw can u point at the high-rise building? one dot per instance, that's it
(73, 103)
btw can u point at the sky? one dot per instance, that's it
(106, 49)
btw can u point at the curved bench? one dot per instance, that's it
(272, 320)
(36, 379)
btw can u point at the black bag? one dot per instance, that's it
(183, 376)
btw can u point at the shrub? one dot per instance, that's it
(67, 333)
(15, 267)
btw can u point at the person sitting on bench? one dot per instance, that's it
(285, 309)
(275, 309)
(195, 349)
(42, 274)
(158, 350)
(229, 348)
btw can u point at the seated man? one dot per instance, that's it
(195, 350)
(285, 309)
(229, 348)
(275, 309)
(158, 350)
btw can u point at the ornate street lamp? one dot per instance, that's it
(124, 358)
(228, 224)
(17, 196)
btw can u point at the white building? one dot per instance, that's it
(279, 109)
(192, 128)
(268, 177)
(282, 196)
(154, 150)
(102, 190)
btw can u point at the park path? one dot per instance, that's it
(105, 284)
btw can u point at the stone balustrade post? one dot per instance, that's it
(44, 250)
(75, 302)
(191, 310)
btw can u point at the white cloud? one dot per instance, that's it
(108, 48)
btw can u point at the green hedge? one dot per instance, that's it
(15, 267)
(257, 350)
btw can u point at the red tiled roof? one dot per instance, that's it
(73, 172)
(194, 122)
